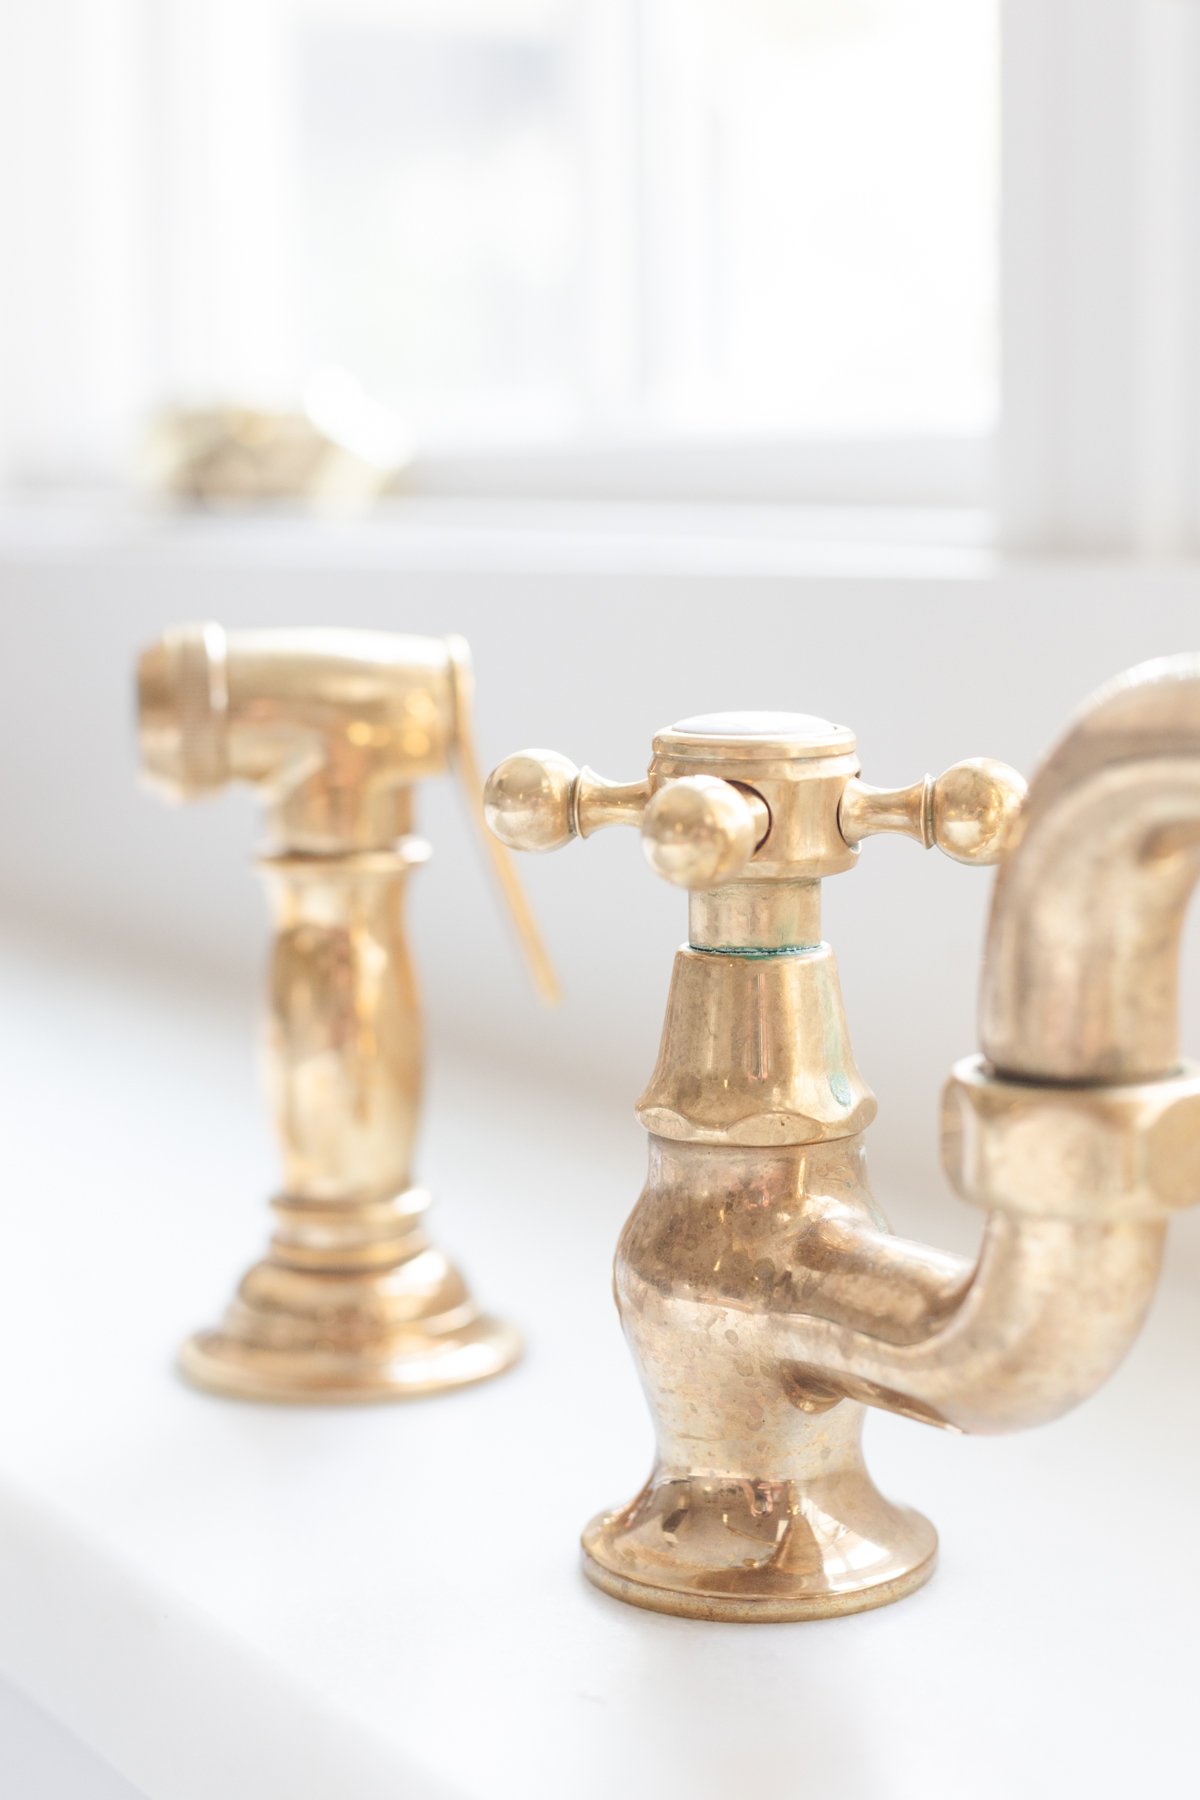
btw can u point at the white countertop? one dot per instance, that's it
(231, 1602)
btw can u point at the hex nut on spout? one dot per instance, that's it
(1082, 1153)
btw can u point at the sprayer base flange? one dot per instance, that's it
(402, 1369)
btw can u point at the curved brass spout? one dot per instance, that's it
(1045, 1316)
(1081, 976)
(1079, 996)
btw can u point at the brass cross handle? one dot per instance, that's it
(967, 812)
(697, 831)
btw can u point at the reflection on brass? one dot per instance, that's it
(763, 1297)
(353, 1300)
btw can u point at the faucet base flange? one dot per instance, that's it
(743, 1551)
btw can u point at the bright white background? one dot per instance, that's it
(770, 354)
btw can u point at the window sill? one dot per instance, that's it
(568, 537)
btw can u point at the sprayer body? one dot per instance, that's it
(333, 726)
(352, 1300)
(343, 1022)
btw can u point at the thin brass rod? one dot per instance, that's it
(471, 779)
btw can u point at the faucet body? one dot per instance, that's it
(765, 1301)
(759, 1503)
(352, 1300)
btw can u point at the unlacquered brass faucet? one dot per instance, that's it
(764, 1299)
(352, 1301)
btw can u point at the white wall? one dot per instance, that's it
(585, 644)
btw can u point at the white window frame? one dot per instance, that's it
(1098, 449)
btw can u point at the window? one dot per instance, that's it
(697, 215)
(739, 249)
(555, 223)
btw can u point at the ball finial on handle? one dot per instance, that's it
(700, 831)
(972, 808)
(529, 800)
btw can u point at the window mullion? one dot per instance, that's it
(606, 95)
(1101, 304)
(73, 306)
(680, 271)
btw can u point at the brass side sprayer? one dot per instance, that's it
(764, 1299)
(352, 1301)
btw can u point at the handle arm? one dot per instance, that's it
(968, 812)
(521, 913)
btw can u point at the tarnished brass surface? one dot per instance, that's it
(798, 1083)
(764, 1299)
(352, 1301)
(1059, 1151)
